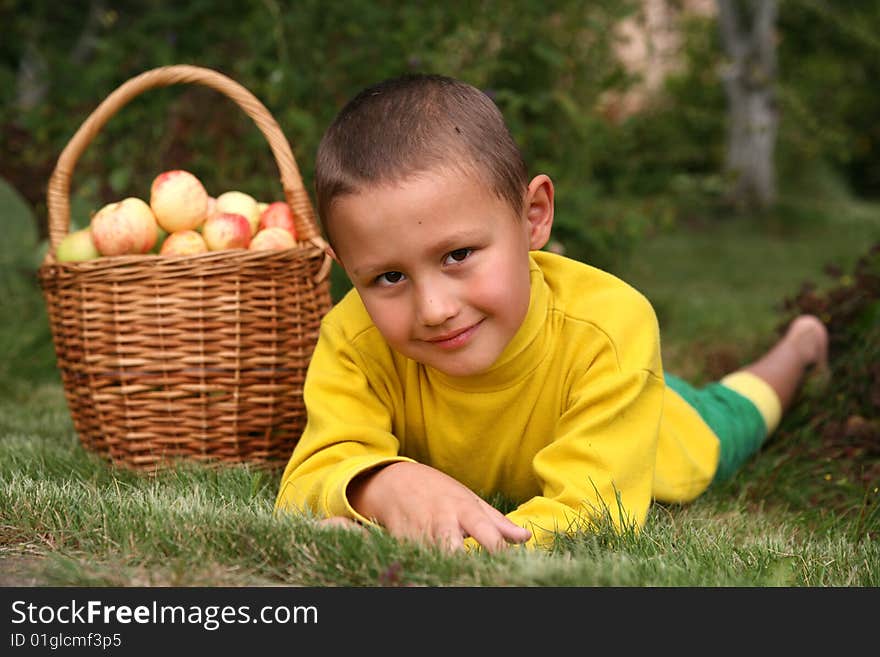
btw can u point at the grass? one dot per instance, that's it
(67, 519)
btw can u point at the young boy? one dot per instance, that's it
(466, 362)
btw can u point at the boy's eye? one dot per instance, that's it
(458, 255)
(389, 278)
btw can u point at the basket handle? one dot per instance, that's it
(291, 181)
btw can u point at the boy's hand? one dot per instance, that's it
(416, 501)
(341, 522)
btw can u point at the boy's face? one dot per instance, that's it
(441, 264)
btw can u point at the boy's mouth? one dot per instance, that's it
(455, 339)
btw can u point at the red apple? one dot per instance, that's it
(183, 242)
(125, 227)
(227, 230)
(278, 214)
(243, 204)
(77, 247)
(178, 200)
(272, 238)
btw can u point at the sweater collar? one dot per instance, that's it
(523, 353)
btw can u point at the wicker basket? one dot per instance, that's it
(186, 357)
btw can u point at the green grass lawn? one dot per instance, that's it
(68, 519)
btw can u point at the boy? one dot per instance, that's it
(466, 362)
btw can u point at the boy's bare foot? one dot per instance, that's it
(804, 347)
(808, 335)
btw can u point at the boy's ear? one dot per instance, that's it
(539, 210)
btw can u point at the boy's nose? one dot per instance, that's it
(436, 304)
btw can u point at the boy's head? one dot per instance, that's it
(411, 124)
(433, 231)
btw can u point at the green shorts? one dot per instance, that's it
(733, 418)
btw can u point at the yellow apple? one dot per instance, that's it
(183, 242)
(243, 204)
(179, 200)
(272, 238)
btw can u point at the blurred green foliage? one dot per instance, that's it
(830, 62)
(548, 65)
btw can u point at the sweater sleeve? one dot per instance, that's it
(348, 431)
(599, 467)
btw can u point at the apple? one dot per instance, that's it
(184, 242)
(227, 230)
(212, 206)
(243, 204)
(212, 210)
(125, 227)
(77, 246)
(261, 206)
(278, 214)
(272, 238)
(178, 200)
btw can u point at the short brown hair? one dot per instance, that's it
(413, 123)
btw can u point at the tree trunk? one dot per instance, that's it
(749, 77)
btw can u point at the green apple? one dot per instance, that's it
(77, 247)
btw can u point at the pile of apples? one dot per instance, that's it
(181, 219)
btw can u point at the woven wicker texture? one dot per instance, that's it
(186, 357)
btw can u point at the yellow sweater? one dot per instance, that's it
(569, 422)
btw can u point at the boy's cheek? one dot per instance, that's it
(390, 318)
(500, 295)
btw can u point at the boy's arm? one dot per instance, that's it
(348, 431)
(599, 470)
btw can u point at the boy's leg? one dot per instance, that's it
(804, 345)
(782, 368)
(745, 407)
